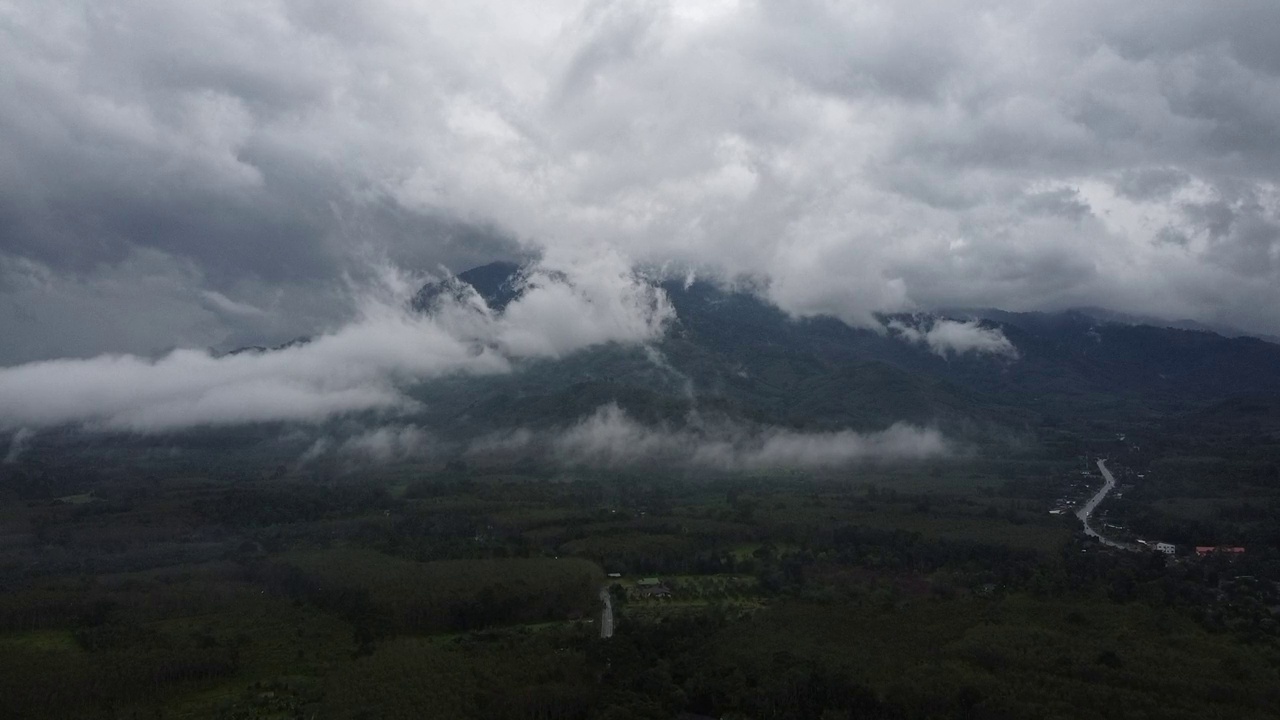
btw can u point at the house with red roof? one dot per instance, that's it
(1207, 550)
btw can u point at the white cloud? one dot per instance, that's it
(361, 366)
(944, 336)
(577, 304)
(391, 443)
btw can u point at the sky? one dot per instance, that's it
(210, 175)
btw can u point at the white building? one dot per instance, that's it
(1166, 548)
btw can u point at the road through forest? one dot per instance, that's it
(606, 615)
(1087, 511)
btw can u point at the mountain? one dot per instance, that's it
(1181, 324)
(734, 355)
(1103, 315)
(498, 283)
(260, 349)
(733, 364)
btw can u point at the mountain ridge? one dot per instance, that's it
(730, 359)
(742, 353)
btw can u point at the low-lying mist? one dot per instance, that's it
(363, 366)
(609, 438)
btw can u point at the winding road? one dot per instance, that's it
(1085, 512)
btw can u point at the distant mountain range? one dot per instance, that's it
(990, 380)
(1112, 316)
(735, 355)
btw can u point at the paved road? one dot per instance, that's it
(606, 615)
(1085, 512)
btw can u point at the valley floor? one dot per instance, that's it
(923, 591)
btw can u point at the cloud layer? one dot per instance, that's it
(178, 174)
(362, 366)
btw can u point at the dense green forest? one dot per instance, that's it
(923, 590)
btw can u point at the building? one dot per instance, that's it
(1166, 548)
(1228, 550)
(652, 588)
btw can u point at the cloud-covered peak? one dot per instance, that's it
(362, 366)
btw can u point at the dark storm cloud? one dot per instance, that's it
(1146, 184)
(197, 146)
(194, 132)
(1063, 202)
(177, 174)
